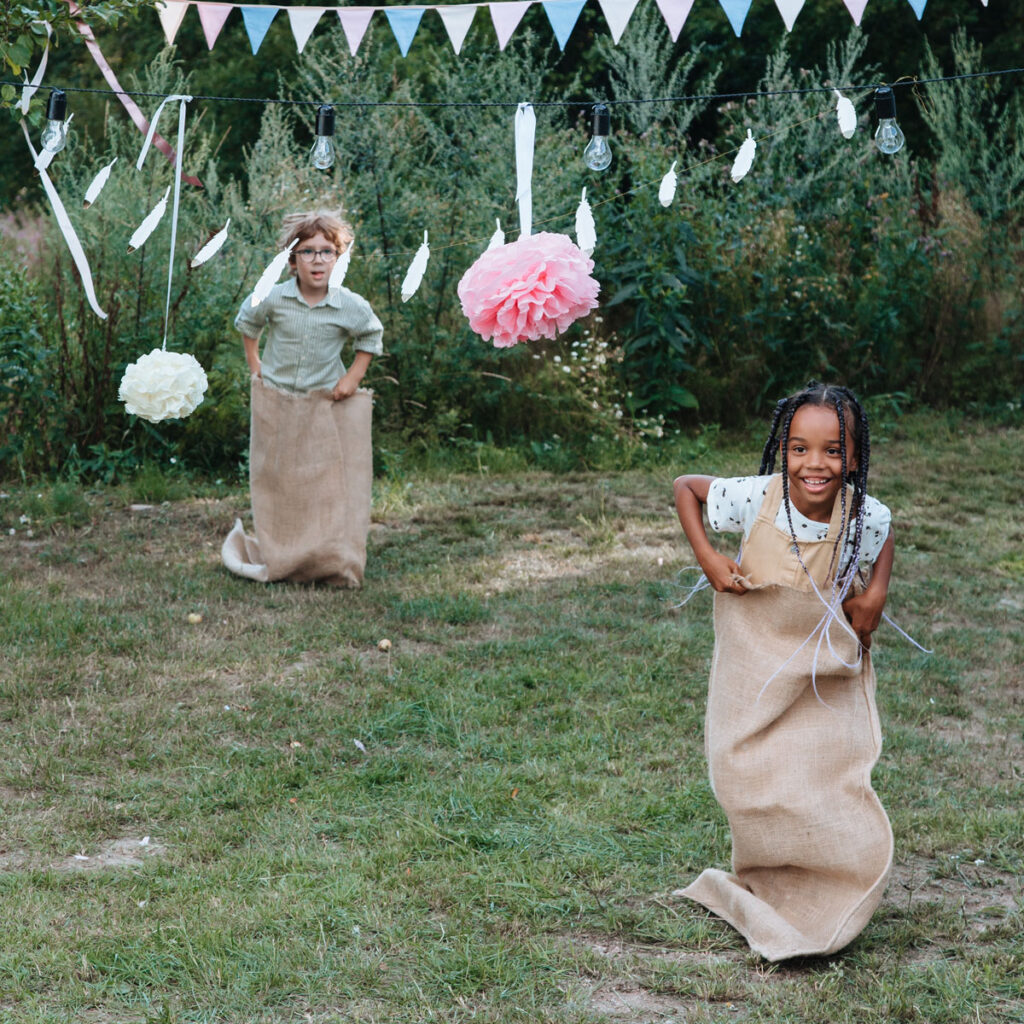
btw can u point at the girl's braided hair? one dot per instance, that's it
(850, 413)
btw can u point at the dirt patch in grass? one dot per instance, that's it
(638, 1006)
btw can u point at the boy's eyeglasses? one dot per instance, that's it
(308, 255)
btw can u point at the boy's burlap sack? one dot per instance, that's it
(310, 475)
(790, 763)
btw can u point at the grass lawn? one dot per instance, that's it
(262, 817)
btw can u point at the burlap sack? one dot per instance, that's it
(310, 476)
(790, 762)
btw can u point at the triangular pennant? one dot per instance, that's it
(617, 13)
(212, 17)
(257, 21)
(354, 20)
(789, 9)
(736, 11)
(171, 15)
(856, 9)
(506, 18)
(563, 15)
(919, 6)
(303, 21)
(404, 21)
(457, 18)
(675, 13)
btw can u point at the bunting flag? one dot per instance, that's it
(257, 21)
(675, 13)
(212, 18)
(918, 6)
(789, 9)
(563, 15)
(355, 21)
(404, 22)
(303, 20)
(736, 11)
(506, 18)
(171, 15)
(617, 13)
(457, 18)
(856, 9)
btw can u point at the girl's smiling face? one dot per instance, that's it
(814, 462)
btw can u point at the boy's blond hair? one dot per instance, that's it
(305, 224)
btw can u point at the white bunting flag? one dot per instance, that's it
(506, 18)
(856, 9)
(303, 20)
(457, 18)
(846, 115)
(171, 14)
(97, 183)
(789, 9)
(355, 21)
(148, 226)
(269, 276)
(667, 189)
(212, 246)
(675, 13)
(744, 158)
(586, 231)
(418, 267)
(617, 13)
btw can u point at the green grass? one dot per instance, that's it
(485, 824)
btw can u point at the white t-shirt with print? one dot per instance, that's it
(734, 502)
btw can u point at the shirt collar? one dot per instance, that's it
(291, 289)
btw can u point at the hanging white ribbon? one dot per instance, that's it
(74, 245)
(498, 238)
(526, 134)
(29, 89)
(152, 128)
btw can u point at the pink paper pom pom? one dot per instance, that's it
(532, 288)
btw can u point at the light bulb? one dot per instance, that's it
(888, 136)
(55, 134)
(322, 154)
(598, 154)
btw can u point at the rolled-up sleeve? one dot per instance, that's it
(361, 324)
(251, 319)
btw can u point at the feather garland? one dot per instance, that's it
(148, 226)
(586, 231)
(744, 158)
(846, 114)
(97, 183)
(212, 246)
(337, 278)
(667, 189)
(416, 270)
(269, 276)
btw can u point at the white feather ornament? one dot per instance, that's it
(744, 158)
(148, 226)
(846, 114)
(96, 186)
(586, 232)
(212, 246)
(337, 278)
(269, 276)
(416, 270)
(667, 189)
(498, 238)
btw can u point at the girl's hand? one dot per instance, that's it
(722, 574)
(864, 612)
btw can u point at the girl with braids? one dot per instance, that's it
(791, 730)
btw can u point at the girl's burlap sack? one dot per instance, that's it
(310, 475)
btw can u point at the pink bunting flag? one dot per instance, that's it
(355, 20)
(457, 18)
(171, 14)
(789, 9)
(213, 17)
(856, 9)
(303, 21)
(617, 13)
(675, 13)
(506, 18)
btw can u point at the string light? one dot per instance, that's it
(888, 137)
(322, 153)
(55, 134)
(598, 154)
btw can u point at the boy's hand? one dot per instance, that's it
(721, 573)
(345, 388)
(865, 613)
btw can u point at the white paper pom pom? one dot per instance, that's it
(163, 386)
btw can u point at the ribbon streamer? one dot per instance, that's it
(526, 134)
(29, 89)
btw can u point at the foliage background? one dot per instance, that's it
(901, 276)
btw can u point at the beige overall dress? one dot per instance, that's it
(791, 767)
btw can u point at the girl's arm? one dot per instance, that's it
(349, 384)
(252, 354)
(865, 610)
(691, 497)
